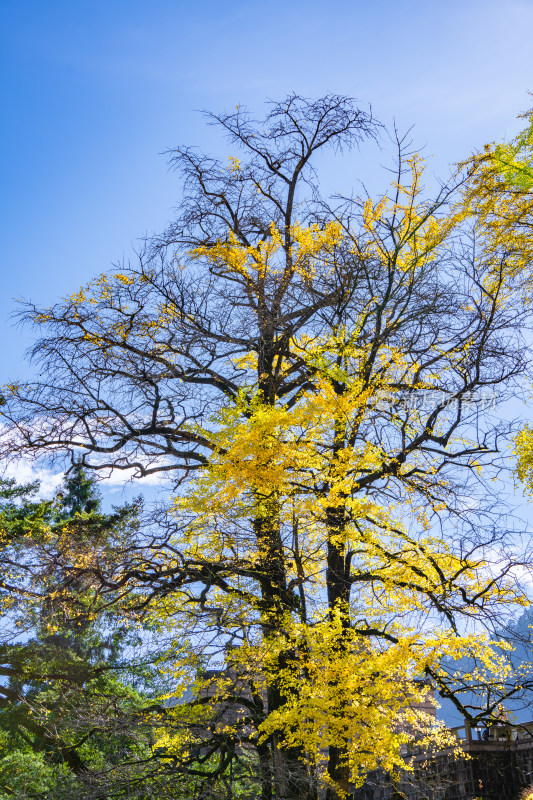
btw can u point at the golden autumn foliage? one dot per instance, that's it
(351, 679)
(500, 196)
(514, 160)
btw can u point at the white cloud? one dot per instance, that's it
(27, 472)
(118, 478)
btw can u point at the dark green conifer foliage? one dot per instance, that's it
(66, 678)
(79, 495)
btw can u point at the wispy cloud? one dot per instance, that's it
(27, 472)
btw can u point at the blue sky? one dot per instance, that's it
(94, 92)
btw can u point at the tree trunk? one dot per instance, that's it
(338, 588)
(339, 772)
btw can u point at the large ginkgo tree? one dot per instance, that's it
(321, 383)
